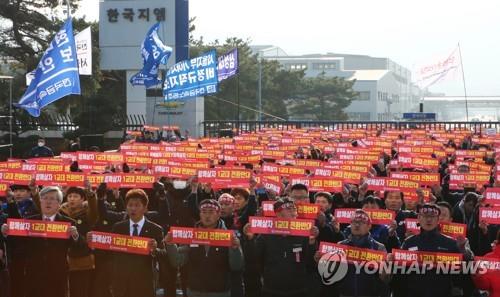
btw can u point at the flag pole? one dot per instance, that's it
(68, 12)
(463, 80)
(238, 95)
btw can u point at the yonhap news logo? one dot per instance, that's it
(332, 267)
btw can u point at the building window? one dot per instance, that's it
(363, 96)
(298, 66)
(324, 66)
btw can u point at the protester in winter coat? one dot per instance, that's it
(19, 205)
(286, 262)
(46, 258)
(81, 206)
(362, 284)
(209, 268)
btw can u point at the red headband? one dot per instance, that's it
(226, 199)
(210, 206)
(361, 216)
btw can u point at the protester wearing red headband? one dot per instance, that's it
(209, 268)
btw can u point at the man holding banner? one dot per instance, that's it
(134, 274)
(286, 261)
(209, 259)
(430, 240)
(48, 238)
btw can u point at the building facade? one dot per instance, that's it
(384, 87)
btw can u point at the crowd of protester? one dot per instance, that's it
(256, 264)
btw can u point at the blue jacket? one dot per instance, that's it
(362, 284)
(429, 284)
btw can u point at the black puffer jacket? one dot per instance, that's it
(286, 262)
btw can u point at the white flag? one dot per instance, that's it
(29, 77)
(83, 42)
(441, 69)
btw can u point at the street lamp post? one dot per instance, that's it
(259, 83)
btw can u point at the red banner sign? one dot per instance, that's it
(352, 254)
(391, 184)
(144, 181)
(70, 179)
(408, 257)
(296, 227)
(304, 210)
(224, 178)
(318, 184)
(491, 264)
(458, 181)
(424, 179)
(210, 237)
(416, 161)
(16, 177)
(268, 208)
(378, 216)
(119, 243)
(37, 228)
(3, 189)
(492, 196)
(175, 171)
(490, 215)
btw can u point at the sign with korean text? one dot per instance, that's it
(276, 226)
(119, 243)
(38, 228)
(423, 178)
(490, 215)
(408, 257)
(352, 254)
(378, 216)
(492, 196)
(192, 78)
(70, 179)
(199, 236)
(225, 178)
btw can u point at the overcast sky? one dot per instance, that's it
(408, 32)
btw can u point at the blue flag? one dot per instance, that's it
(56, 75)
(228, 65)
(192, 78)
(154, 53)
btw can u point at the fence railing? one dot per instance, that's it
(64, 123)
(224, 128)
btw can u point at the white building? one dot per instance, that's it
(384, 87)
(454, 108)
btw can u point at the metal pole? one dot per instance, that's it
(10, 116)
(259, 90)
(238, 102)
(68, 12)
(463, 79)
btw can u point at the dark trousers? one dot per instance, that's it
(101, 282)
(4, 283)
(80, 283)
(17, 275)
(168, 275)
(237, 284)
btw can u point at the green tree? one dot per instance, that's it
(323, 98)
(27, 28)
